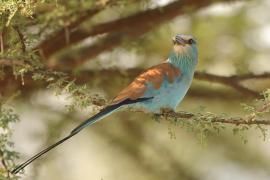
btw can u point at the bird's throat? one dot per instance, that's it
(184, 61)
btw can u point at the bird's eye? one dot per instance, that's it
(191, 41)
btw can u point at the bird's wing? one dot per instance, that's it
(154, 75)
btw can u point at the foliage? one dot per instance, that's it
(7, 154)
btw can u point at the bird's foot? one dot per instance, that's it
(163, 112)
(166, 111)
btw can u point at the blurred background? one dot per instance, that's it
(233, 38)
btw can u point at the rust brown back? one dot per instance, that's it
(154, 75)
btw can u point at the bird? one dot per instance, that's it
(161, 87)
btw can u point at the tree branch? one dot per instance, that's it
(147, 19)
(87, 76)
(47, 47)
(52, 44)
(233, 81)
(78, 57)
(10, 62)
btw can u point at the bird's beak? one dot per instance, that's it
(178, 41)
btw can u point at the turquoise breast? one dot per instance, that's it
(169, 95)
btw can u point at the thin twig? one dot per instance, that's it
(2, 39)
(21, 37)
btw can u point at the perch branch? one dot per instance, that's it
(235, 121)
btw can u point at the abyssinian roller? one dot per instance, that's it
(160, 87)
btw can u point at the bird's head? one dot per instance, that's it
(185, 52)
(184, 43)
